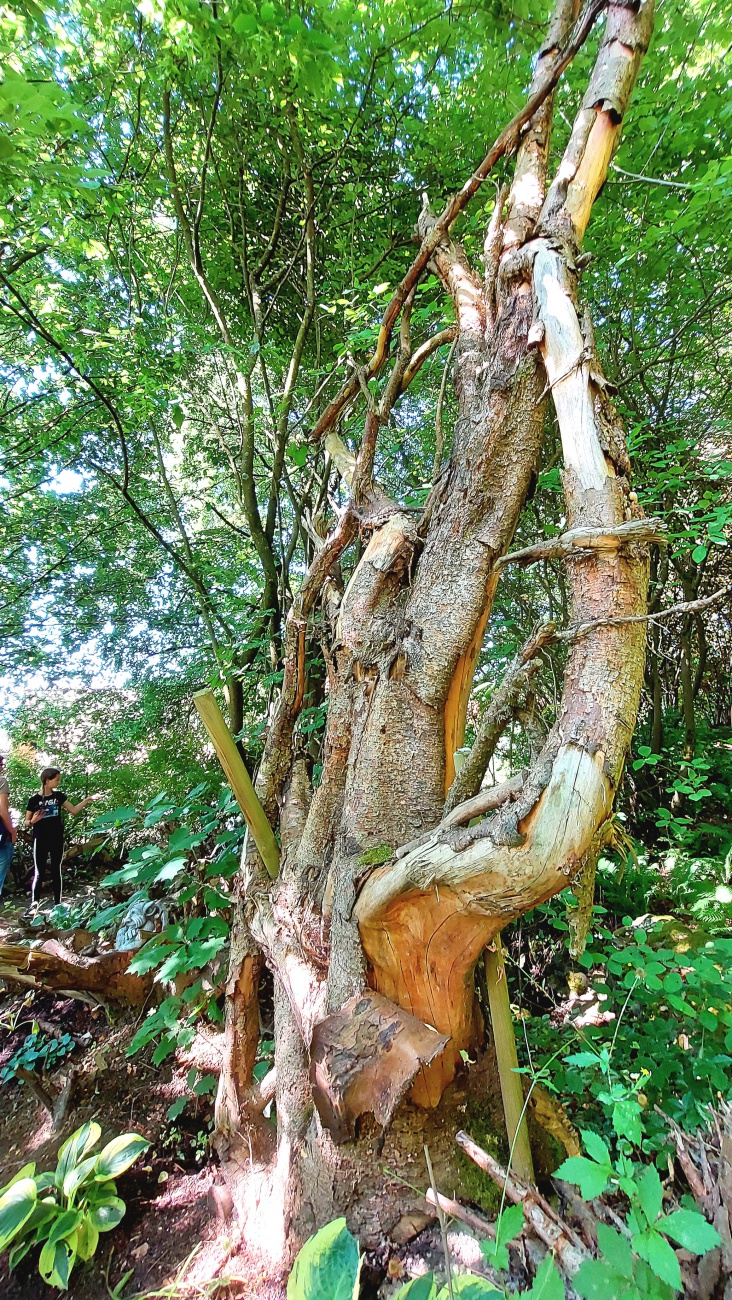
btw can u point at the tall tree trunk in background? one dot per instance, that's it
(381, 909)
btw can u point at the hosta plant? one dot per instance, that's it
(65, 1211)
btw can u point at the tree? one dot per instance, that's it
(409, 903)
(254, 172)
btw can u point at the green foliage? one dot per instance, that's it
(328, 1266)
(667, 1040)
(38, 1051)
(644, 1263)
(509, 1224)
(65, 1212)
(187, 852)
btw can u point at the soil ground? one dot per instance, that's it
(175, 1240)
(172, 1241)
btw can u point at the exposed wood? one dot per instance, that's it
(496, 718)
(568, 370)
(476, 1221)
(241, 1031)
(596, 128)
(363, 1059)
(555, 548)
(456, 705)
(53, 966)
(342, 457)
(513, 863)
(504, 1041)
(239, 779)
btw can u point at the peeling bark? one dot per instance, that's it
(376, 890)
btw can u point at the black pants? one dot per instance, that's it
(45, 852)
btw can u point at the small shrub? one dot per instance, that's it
(38, 1051)
(64, 1212)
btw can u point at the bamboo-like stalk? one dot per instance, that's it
(239, 780)
(504, 1039)
(506, 1055)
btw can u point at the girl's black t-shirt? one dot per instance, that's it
(50, 827)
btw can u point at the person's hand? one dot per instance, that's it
(93, 798)
(37, 817)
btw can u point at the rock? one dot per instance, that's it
(219, 1201)
(409, 1226)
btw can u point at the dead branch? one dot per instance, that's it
(485, 801)
(54, 967)
(684, 607)
(475, 1221)
(261, 1093)
(587, 539)
(568, 1249)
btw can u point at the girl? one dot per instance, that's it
(43, 813)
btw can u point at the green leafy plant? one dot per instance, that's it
(185, 852)
(642, 1265)
(64, 1212)
(665, 1038)
(38, 1051)
(328, 1268)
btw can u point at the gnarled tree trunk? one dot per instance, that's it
(358, 919)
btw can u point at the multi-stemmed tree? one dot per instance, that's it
(381, 906)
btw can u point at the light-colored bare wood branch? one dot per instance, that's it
(588, 539)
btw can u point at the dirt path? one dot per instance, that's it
(173, 1237)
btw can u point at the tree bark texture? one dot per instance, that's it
(348, 912)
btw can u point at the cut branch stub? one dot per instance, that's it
(363, 1059)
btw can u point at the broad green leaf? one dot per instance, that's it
(616, 1250)
(661, 1257)
(76, 1176)
(16, 1206)
(19, 1251)
(107, 1214)
(596, 1148)
(508, 1226)
(548, 1284)
(63, 1226)
(75, 1148)
(87, 1239)
(56, 1263)
(327, 1267)
(591, 1178)
(596, 1279)
(627, 1121)
(118, 1155)
(650, 1193)
(420, 1288)
(690, 1230)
